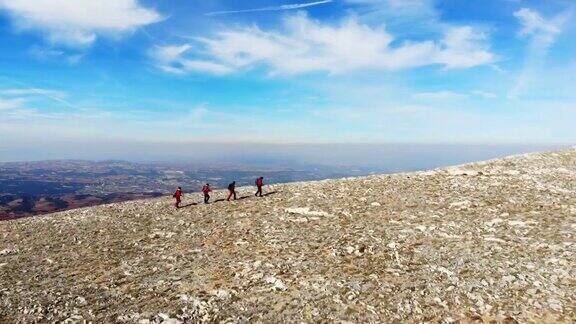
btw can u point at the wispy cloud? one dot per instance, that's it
(485, 94)
(22, 93)
(409, 17)
(533, 23)
(440, 95)
(33, 91)
(305, 45)
(44, 53)
(542, 33)
(6, 104)
(173, 60)
(453, 95)
(275, 8)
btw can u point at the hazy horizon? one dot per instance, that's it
(380, 157)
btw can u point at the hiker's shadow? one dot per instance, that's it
(188, 205)
(240, 198)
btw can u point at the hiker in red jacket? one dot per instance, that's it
(178, 195)
(259, 184)
(206, 191)
(231, 190)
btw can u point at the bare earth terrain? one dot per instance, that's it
(486, 241)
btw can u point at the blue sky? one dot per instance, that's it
(341, 71)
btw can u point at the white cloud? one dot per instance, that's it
(276, 8)
(6, 104)
(78, 22)
(464, 47)
(168, 54)
(305, 45)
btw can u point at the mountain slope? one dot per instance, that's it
(491, 240)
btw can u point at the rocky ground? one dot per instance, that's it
(486, 241)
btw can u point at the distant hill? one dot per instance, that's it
(489, 241)
(41, 187)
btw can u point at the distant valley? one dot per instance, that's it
(33, 188)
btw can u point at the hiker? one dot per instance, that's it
(259, 184)
(231, 190)
(206, 191)
(178, 195)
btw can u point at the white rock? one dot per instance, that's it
(508, 278)
(460, 205)
(8, 251)
(277, 283)
(521, 223)
(460, 172)
(81, 300)
(555, 304)
(493, 222)
(493, 239)
(222, 294)
(306, 211)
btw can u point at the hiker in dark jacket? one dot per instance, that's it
(231, 190)
(178, 195)
(206, 191)
(259, 184)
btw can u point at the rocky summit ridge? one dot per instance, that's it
(488, 241)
